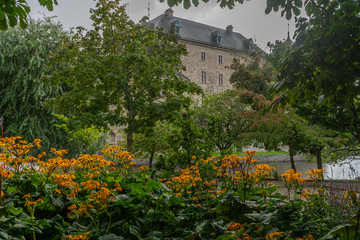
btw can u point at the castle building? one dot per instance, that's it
(211, 50)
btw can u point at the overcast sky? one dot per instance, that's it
(248, 19)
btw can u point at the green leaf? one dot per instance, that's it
(174, 201)
(151, 185)
(209, 227)
(195, 2)
(2, 15)
(78, 228)
(187, 4)
(136, 188)
(111, 237)
(22, 224)
(135, 231)
(4, 235)
(29, 187)
(14, 210)
(262, 217)
(110, 179)
(170, 3)
(58, 202)
(296, 11)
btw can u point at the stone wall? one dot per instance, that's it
(211, 66)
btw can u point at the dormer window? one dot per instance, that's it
(251, 45)
(177, 27)
(218, 37)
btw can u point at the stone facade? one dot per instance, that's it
(211, 73)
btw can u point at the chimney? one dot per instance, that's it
(169, 12)
(229, 28)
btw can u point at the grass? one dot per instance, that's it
(217, 154)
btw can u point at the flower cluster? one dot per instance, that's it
(290, 176)
(316, 174)
(234, 226)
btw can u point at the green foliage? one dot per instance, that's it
(91, 138)
(323, 66)
(187, 138)
(285, 127)
(16, 12)
(24, 57)
(289, 8)
(251, 76)
(227, 119)
(155, 142)
(103, 197)
(121, 73)
(279, 51)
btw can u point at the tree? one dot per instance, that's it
(286, 128)
(24, 56)
(279, 51)
(121, 73)
(251, 76)
(154, 143)
(324, 65)
(188, 138)
(16, 11)
(226, 118)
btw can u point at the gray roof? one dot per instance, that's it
(202, 33)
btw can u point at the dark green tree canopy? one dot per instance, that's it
(325, 60)
(324, 66)
(13, 12)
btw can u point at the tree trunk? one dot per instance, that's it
(291, 154)
(318, 159)
(151, 159)
(129, 139)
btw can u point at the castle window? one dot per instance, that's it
(203, 56)
(203, 77)
(218, 37)
(220, 59)
(177, 28)
(220, 79)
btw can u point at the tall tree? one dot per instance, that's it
(24, 56)
(121, 73)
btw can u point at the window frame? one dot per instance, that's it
(221, 79)
(203, 56)
(203, 77)
(220, 59)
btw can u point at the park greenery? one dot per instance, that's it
(67, 88)
(50, 196)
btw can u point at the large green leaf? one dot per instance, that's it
(14, 211)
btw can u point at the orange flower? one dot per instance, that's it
(234, 226)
